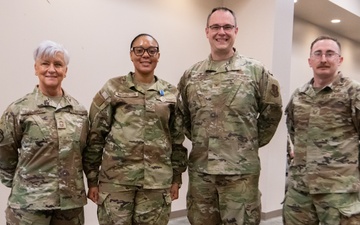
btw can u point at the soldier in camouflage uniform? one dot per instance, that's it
(137, 140)
(323, 119)
(231, 106)
(42, 136)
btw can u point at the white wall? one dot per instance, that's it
(98, 33)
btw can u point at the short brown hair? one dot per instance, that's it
(325, 37)
(222, 9)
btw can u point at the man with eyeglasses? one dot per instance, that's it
(135, 157)
(323, 120)
(231, 106)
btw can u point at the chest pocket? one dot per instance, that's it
(164, 106)
(221, 90)
(37, 126)
(74, 125)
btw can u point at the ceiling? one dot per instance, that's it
(320, 12)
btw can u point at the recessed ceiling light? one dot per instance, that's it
(335, 21)
(295, 1)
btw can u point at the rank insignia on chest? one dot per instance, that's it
(60, 124)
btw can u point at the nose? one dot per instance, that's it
(145, 52)
(323, 58)
(51, 67)
(222, 30)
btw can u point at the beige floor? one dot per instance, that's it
(184, 221)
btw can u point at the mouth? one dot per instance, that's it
(221, 40)
(323, 67)
(145, 63)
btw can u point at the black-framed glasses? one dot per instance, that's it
(217, 27)
(328, 54)
(139, 51)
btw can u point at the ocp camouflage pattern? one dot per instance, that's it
(230, 109)
(135, 136)
(324, 129)
(40, 152)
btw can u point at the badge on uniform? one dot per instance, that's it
(162, 98)
(60, 124)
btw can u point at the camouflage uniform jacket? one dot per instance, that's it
(230, 109)
(324, 128)
(134, 136)
(41, 143)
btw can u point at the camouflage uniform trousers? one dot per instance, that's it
(223, 199)
(44, 217)
(131, 205)
(325, 209)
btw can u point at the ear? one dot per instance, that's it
(35, 69)
(131, 57)
(207, 32)
(340, 60)
(236, 30)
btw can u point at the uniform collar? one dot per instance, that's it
(225, 65)
(44, 101)
(336, 82)
(157, 86)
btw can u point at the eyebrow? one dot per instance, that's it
(325, 51)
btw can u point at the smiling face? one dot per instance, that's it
(51, 70)
(145, 64)
(325, 58)
(221, 40)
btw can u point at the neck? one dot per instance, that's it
(51, 92)
(144, 78)
(222, 55)
(320, 82)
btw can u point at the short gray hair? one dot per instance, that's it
(50, 48)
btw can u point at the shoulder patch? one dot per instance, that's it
(272, 93)
(100, 98)
(275, 90)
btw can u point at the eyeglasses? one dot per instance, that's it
(328, 55)
(139, 51)
(217, 27)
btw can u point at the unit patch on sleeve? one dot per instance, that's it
(1, 135)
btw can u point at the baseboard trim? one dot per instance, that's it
(179, 213)
(270, 215)
(264, 216)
